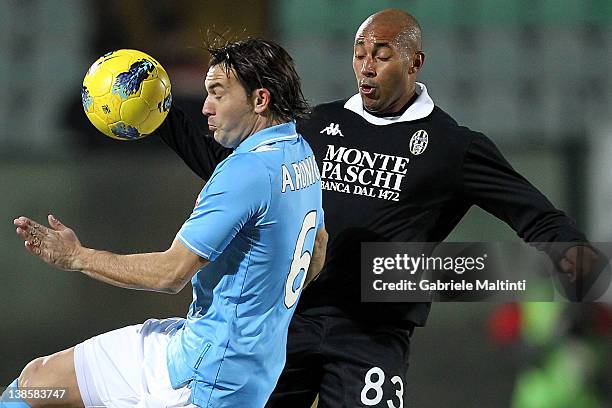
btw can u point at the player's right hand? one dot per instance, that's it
(58, 245)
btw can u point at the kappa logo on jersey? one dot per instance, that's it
(418, 142)
(333, 130)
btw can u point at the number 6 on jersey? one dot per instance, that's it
(301, 261)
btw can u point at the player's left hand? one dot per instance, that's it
(579, 262)
(586, 273)
(57, 245)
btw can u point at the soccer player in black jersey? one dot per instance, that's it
(394, 167)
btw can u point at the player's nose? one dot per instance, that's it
(207, 108)
(367, 67)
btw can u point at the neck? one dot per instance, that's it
(404, 100)
(261, 123)
(395, 112)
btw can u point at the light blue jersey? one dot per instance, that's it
(255, 221)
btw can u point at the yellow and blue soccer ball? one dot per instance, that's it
(126, 94)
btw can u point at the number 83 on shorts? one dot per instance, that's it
(372, 391)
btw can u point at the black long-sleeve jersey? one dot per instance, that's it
(406, 178)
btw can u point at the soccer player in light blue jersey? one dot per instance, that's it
(254, 239)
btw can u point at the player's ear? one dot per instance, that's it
(261, 100)
(417, 62)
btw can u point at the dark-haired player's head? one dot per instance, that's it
(387, 57)
(251, 84)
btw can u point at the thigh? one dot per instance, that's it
(364, 367)
(299, 382)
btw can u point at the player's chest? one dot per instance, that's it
(390, 163)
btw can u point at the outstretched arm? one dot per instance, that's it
(318, 256)
(167, 271)
(490, 182)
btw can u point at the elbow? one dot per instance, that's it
(171, 286)
(172, 290)
(168, 290)
(177, 266)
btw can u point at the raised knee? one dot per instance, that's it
(31, 374)
(54, 371)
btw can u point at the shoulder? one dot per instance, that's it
(336, 105)
(242, 170)
(446, 125)
(323, 114)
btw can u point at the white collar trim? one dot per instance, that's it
(421, 108)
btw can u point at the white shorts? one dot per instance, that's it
(127, 367)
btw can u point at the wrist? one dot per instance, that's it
(78, 258)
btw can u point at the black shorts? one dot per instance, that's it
(349, 364)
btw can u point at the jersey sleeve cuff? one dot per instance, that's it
(202, 250)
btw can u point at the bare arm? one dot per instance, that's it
(318, 256)
(167, 271)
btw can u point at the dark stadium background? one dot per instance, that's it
(533, 75)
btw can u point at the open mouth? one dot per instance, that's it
(366, 89)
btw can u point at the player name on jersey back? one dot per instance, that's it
(305, 174)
